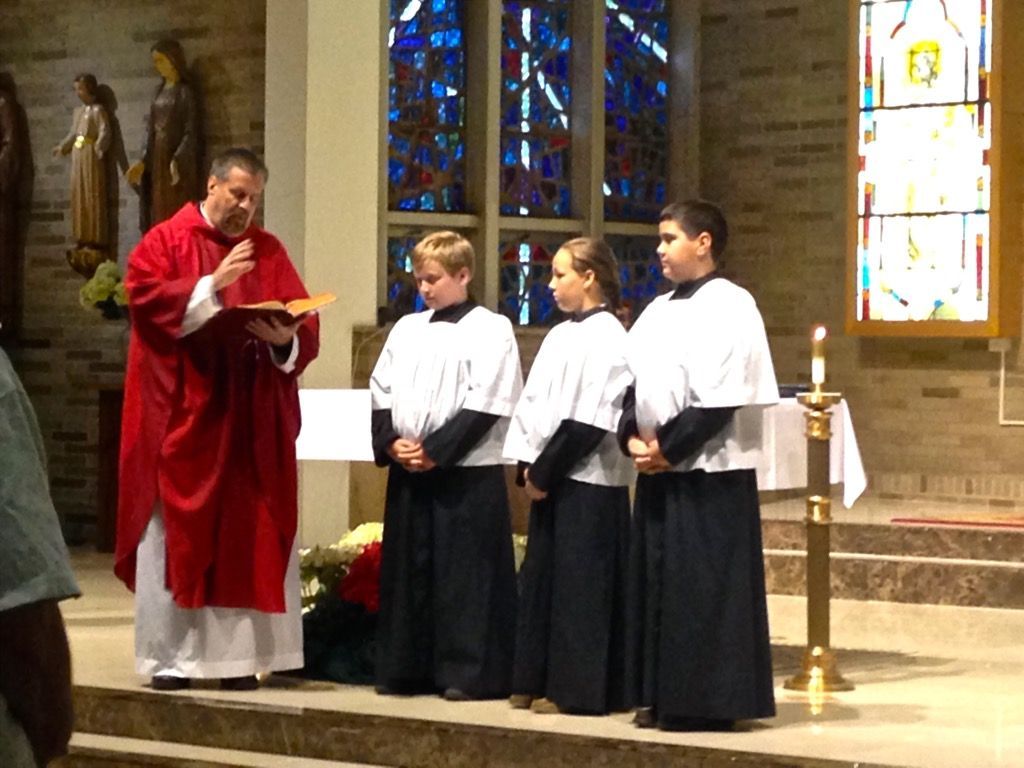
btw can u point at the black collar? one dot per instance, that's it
(453, 313)
(579, 317)
(690, 287)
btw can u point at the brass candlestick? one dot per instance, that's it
(819, 672)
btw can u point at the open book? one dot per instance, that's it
(288, 312)
(232, 321)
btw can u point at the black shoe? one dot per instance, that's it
(405, 688)
(695, 724)
(247, 683)
(169, 683)
(455, 694)
(644, 717)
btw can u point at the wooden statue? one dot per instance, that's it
(168, 173)
(87, 143)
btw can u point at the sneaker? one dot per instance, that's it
(644, 717)
(544, 706)
(169, 683)
(520, 700)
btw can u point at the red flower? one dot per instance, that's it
(361, 584)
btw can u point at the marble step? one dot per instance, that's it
(89, 750)
(388, 740)
(939, 565)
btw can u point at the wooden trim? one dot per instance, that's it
(631, 229)
(415, 219)
(1005, 161)
(531, 224)
(1007, 158)
(383, 69)
(852, 164)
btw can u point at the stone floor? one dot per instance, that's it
(936, 687)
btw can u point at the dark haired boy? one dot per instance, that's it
(698, 649)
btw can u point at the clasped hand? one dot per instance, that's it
(647, 456)
(410, 454)
(533, 493)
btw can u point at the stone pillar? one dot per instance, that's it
(325, 144)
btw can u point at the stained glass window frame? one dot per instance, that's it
(997, 251)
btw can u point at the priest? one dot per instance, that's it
(207, 510)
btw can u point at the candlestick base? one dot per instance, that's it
(819, 673)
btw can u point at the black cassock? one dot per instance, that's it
(448, 598)
(698, 642)
(570, 637)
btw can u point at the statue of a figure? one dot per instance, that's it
(167, 175)
(87, 143)
(11, 149)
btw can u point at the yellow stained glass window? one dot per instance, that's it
(924, 194)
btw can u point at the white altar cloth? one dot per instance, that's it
(784, 458)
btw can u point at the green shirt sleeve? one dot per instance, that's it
(34, 564)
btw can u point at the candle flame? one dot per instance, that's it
(820, 332)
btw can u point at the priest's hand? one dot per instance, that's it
(273, 331)
(532, 491)
(235, 264)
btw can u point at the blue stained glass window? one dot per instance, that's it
(639, 272)
(427, 99)
(535, 100)
(403, 298)
(636, 117)
(525, 271)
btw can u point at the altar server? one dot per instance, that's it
(443, 390)
(570, 638)
(698, 649)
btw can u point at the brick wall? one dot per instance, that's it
(66, 354)
(773, 123)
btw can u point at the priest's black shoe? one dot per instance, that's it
(169, 683)
(247, 683)
(456, 694)
(694, 724)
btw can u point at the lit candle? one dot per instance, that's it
(818, 354)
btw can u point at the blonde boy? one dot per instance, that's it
(443, 390)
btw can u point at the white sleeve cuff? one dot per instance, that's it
(203, 304)
(286, 366)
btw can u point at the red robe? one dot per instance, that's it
(209, 422)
